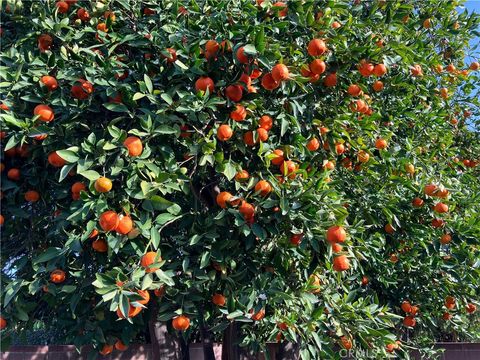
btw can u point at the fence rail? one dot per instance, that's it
(453, 351)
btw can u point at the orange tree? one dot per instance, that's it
(303, 171)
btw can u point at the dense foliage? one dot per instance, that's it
(307, 170)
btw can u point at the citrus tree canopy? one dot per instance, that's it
(306, 170)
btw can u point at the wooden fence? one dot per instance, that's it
(453, 351)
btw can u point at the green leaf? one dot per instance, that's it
(68, 155)
(205, 260)
(155, 237)
(148, 83)
(47, 255)
(115, 107)
(138, 96)
(90, 174)
(147, 281)
(229, 171)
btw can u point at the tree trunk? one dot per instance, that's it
(230, 350)
(288, 351)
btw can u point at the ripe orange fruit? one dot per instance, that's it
(120, 346)
(134, 145)
(125, 224)
(341, 263)
(103, 185)
(346, 343)
(242, 175)
(365, 68)
(266, 122)
(406, 306)
(313, 144)
(316, 47)
(282, 326)
(262, 134)
(62, 7)
(330, 80)
(223, 198)
(81, 89)
(239, 114)
(471, 308)
(109, 15)
(379, 70)
(45, 41)
(106, 349)
(377, 86)
(2, 220)
(446, 316)
(438, 223)
(410, 169)
(278, 159)
(440, 208)
(172, 55)
(414, 310)
(339, 148)
(381, 144)
(417, 202)
(181, 323)
(234, 92)
(409, 321)
(389, 229)
(451, 68)
(102, 27)
(212, 47)
(474, 66)
(288, 168)
(336, 234)
(108, 220)
(204, 83)
(224, 132)
(57, 276)
(427, 23)
(100, 245)
(145, 295)
(416, 70)
(148, 259)
(363, 156)
(280, 72)
(317, 66)
(445, 239)
(329, 165)
(258, 315)
(296, 239)
(44, 112)
(83, 14)
(55, 160)
(391, 347)
(444, 93)
(160, 291)
(241, 56)
(354, 90)
(50, 82)
(430, 189)
(218, 299)
(263, 187)
(246, 209)
(13, 174)
(365, 280)
(132, 312)
(269, 83)
(77, 187)
(336, 248)
(248, 138)
(3, 323)
(32, 196)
